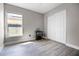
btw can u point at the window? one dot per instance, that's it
(15, 27)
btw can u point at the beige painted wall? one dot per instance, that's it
(72, 22)
(31, 21)
(1, 26)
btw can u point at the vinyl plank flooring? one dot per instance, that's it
(39, 48)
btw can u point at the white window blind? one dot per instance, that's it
(15, 27)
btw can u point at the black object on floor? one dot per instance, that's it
(39, 35)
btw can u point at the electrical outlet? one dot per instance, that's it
(29, 35)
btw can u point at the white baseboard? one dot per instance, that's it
(72, 46)
(69, 45)
(58, 41)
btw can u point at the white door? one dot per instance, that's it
(56, 26)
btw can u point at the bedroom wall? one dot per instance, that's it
(31, 21)
(1, 26)
(72, 22)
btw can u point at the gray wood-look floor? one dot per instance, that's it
(39, 48)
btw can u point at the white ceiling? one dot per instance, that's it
(37, 7)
